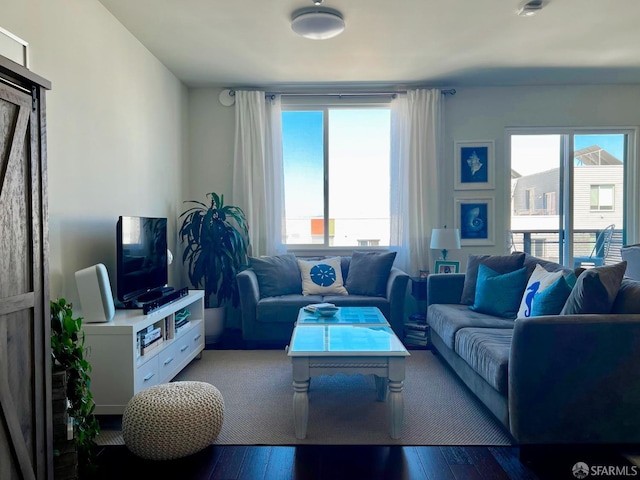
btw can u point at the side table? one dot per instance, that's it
(415, 328)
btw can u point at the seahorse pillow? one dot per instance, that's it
(322, 277)
(539, 281)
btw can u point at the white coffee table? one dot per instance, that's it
(327, 349)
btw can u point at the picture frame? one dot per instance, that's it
(474, 165)
(475, 218)
(445, 266)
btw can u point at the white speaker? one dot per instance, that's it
(96, 298)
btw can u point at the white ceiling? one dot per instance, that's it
(435, 43)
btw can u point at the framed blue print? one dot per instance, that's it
(474, 165)
(474, 216)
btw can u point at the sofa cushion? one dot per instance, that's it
(369, 273)
(499, 263)
(595, 290)
(447, 319)
(486, 350)
(277, 275)
(538, 282)
(322, 277)
(551, 300)
(499, 294)
(284, 308)
(628, 298)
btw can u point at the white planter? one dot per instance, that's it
(213, 324)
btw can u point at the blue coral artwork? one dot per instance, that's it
(474, 164)
(323, 275)
(474, 221)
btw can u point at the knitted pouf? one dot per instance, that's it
(172, 420)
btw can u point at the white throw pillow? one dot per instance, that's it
(539, 281)
(322, 277)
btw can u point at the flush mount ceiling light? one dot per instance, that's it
(317, 23)
(530, 8)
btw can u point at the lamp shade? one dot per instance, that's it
(317, 23)
(445, 239)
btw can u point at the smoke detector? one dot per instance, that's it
(530, 8)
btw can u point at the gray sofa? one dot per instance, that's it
(271, 318)
(551, 379)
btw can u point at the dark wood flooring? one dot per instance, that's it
(359, 462)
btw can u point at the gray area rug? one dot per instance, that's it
(257, 389)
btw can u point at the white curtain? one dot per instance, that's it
(257, 169)
(416, 125)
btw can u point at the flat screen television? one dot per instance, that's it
(141, 247)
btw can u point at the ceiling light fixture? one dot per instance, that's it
(317, 23)
(530, 8)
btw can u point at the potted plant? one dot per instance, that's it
(70, 365)
(216, 238)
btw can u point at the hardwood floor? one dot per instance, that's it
(358, 462)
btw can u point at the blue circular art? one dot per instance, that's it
(323, 275)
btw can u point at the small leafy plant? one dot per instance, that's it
(68, 354)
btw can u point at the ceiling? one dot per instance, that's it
(434, 43)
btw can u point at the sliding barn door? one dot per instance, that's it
(25, 411)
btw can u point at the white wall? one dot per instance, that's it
(117, 123)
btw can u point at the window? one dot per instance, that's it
(336, 174)
(549, 203)
(530, 200)
(602, 197)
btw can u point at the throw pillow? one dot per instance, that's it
(539, 280)
(498, 263)
(551, 300)
(277, 275)
(369, 273)
(322, 277)
(595, 290)
(498, 294)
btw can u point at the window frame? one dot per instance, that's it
(325, 103)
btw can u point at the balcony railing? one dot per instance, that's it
(544, 244)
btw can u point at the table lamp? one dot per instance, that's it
(445, 239)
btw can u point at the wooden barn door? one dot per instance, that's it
(25, 411)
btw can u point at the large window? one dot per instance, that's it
(336, 175)
(583, 176)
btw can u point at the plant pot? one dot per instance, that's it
(213, 324)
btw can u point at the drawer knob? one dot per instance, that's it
(197, 337)
(168, 361)
(184, 347)
(149, 376)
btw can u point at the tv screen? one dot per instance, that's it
(141, 256)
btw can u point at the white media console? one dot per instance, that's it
(121, 368)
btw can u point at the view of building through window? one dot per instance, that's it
(538, 218)
(342, 200)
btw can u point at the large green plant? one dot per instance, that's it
(216, 238)
(68, 354)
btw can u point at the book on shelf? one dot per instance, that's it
(419, 327)
(416, 340)
(148, 337)
(152, 346)
(182, 326)
(182, 315)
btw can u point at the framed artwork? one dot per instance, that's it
(475, 218)
(474, 166)
(447, 267)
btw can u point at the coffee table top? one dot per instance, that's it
(344, 316)
(345, 340)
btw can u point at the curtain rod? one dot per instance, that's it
(450, 91)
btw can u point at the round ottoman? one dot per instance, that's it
(172, 420)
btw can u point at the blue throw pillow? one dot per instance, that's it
(497, 294)
(551, 300)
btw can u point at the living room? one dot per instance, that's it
(127, 136)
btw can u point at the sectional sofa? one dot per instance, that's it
(567, 378)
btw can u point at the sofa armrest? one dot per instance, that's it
(575, 379)
(396, 294)
(249, 292)
(444, 288)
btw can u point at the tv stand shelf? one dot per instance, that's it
(120, 368)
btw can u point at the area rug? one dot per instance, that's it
(258, 395)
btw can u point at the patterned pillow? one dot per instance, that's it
(538, 282)
(322, 277)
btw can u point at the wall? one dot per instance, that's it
(117, 121)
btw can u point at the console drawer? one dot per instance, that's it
(147, 375)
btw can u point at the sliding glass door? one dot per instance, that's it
(568, 194)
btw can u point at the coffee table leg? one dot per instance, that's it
(396, 398)
(381, 388)
(300, 407)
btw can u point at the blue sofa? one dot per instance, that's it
(551, 379)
